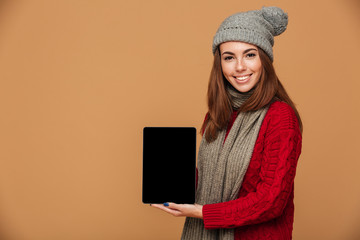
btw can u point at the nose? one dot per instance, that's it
(240, 66)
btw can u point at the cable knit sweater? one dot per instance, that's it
(264, 209)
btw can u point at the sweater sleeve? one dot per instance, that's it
(282, 147)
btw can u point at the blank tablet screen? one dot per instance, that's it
(169, 164)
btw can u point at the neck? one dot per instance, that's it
(238, 98)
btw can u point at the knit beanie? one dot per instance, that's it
(256, 27)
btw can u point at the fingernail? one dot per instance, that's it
(166, 204)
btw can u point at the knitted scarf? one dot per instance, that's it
(222, 166)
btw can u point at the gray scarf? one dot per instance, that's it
(222, 166)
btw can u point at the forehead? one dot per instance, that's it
(236, 46)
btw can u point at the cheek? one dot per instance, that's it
(259, 72)
(226, 69)
(256, 67)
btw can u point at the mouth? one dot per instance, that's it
(243, 78)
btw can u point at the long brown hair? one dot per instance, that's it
(268, 88)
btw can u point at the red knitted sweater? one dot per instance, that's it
(264, 209)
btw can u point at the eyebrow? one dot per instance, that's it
(246, 51)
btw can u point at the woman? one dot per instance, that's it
(251, 138)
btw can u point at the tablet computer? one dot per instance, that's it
(169, 164)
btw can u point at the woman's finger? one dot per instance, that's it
(175, 206)
(160, 206)
(169, 210)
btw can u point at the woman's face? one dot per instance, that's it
(241, 65)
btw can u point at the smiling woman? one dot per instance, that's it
(251, 138)
(241, 65)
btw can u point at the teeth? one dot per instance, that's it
(243, 78)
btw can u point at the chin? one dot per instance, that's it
(243, 89)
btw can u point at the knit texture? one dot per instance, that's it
(264, 206)
(222, 166)
(257, 27)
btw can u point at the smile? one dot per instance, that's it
(243, 78)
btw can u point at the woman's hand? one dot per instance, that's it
(181, 210)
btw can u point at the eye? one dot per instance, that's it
(250, 55)
(228, 58)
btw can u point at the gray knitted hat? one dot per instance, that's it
(257, 27)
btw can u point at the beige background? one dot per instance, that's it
(80, 79)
